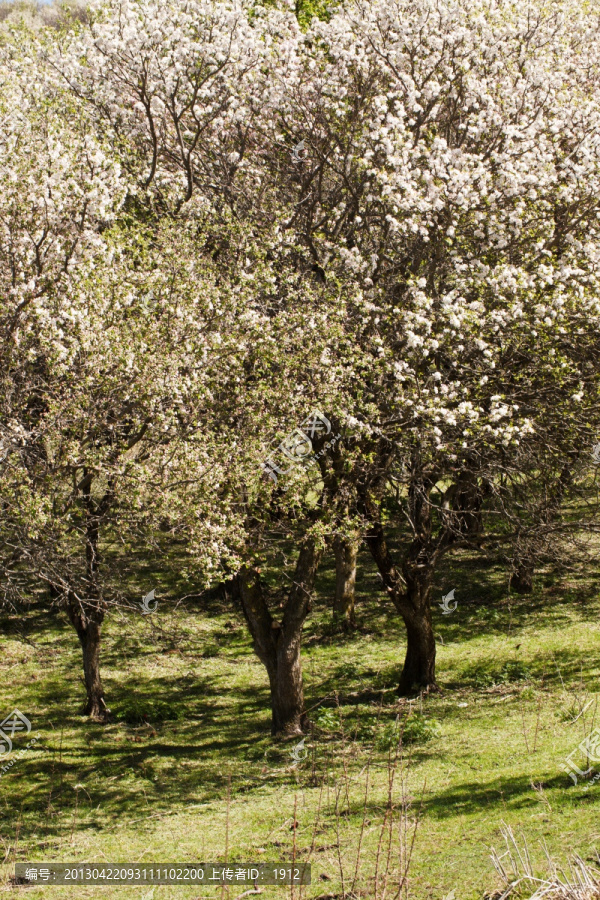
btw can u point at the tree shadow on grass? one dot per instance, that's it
(185, 757)
(165, 755)
(509, 793)
(505, 794)
(560, 669)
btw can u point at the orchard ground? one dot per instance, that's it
(190, 716)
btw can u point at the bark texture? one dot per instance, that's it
(87, 616)
(88, 623)
(410, 589)
(346, 552)
(278, 644)
(467, 504)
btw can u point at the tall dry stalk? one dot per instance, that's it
(223, 886)
(519, 878)
(365, 870)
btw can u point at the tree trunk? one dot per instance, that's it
(287, 692)
(410, 591)
(87, 624)
(345, 551)
(418, 673)
(527, 550)
(277, 645)
(87, 617)
(467, 504)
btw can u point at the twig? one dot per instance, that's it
(294, 826)
(537, 722)
(362, 829)
(223, 887)
(524, 730)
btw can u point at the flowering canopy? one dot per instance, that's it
(426, 272)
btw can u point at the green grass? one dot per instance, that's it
(190, 714)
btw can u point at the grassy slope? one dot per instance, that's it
(157, 790)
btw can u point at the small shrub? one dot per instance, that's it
(416, 729)
(512, 671)
(327, 720)
(137, 710)
(515, 670)
(363, 727)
